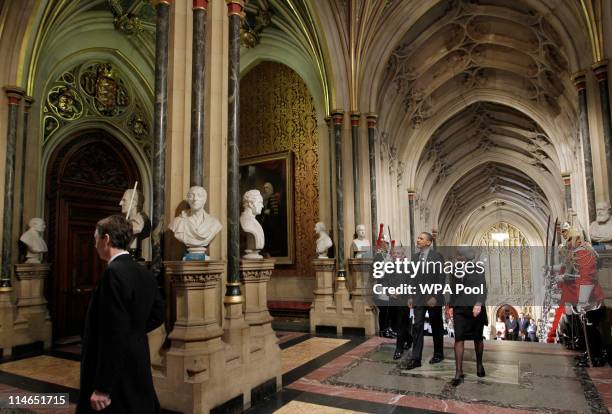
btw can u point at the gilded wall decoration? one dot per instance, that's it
(277, 113)
(96, 90)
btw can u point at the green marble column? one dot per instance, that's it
(27, 104)
(330, 129)
(372, 158)
(14, 95)
(355, 120)
(198, 68)
(160, 126)
(232, 293)
(411, 198)
(338, 117)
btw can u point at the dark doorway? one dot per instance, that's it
(504, 312)
(86, 178)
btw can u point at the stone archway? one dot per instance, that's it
(504, 311)
(86, 178)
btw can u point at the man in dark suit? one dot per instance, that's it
(523, 324)
(126, 304)
(432, 304)
(511, 328)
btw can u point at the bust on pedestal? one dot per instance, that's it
(33, 240)
(324, 242)
(360, 246)
(194, 227)
(601, 229)
(252, 204)
(141, 225)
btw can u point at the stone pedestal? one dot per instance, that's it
(254, 277)
(337, 307)
(325, 270)
(194, 364)
(32, 322)
(264, 359)
(360, 272)
(25, 320)
(323, 304)
(208, 365)
(7, 312)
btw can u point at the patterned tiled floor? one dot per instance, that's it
(46, 368)
(344, 375)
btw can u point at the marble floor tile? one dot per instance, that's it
(298, 407)
(308, 350)
(46, 368)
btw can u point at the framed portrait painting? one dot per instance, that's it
(272, 175)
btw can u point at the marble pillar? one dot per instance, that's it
(233, 294)
(372, 157)
(14, 95)
(355, 119)
(160, 126)
(330, 129)
(198, 69)
(338, 117)
(580, 83)
(411, 197)
(567, 186)
(601, 74)
(27, 104)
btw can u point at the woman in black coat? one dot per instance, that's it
(469, 316)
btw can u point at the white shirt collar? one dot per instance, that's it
(117, 255)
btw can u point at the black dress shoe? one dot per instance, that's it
(457, 380)
(397, 354)
(480, 372)
(411, 364)
(436, 359)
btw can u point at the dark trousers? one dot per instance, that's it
(384, 314)
(404, 326)
(596, 329)
(437, 330)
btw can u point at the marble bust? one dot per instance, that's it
(324, 242)
(195, 228)
(33, 240)
(252, 204)
(360, 246)
(601, 228)
(141, 226)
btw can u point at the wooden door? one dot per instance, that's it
(86, 181)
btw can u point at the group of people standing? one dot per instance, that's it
(511, 329)
(410, 312)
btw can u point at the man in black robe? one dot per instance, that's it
(126, 304)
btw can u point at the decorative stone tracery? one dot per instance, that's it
(96, 90)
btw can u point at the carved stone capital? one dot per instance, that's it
(254, 271)
(29, 271)
(14, 94)
(195, 274)
(360, 265)
(324, 265)
(601, 70)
